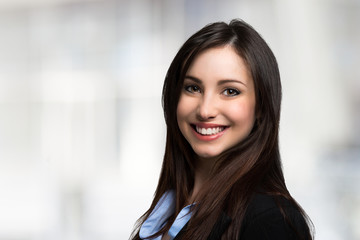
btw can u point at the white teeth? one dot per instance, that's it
(203, 131)
(209, 131)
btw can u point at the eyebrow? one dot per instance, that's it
(221, 82)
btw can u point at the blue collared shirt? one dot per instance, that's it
(158, 217)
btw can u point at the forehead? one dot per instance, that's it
(220, 63)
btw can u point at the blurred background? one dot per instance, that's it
(81, 127)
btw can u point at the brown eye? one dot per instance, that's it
(192, 88)
(231, 92)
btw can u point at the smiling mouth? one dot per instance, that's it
(208, 131)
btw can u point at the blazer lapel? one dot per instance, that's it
(220, 226)
(216, 232)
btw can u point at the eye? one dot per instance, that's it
(231, 92)
(192, 88)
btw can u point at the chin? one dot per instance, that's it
(203, 154)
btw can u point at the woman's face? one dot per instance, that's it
(216, 109)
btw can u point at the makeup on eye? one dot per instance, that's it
(219, 82)
(228, 91)
(231, 92)
(192, 88)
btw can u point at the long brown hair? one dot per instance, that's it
(240, 171)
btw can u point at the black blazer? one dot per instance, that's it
(263, 221)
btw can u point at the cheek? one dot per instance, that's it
(185, 107)
(181, 111)
(242, 113)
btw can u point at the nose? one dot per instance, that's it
(207, 108)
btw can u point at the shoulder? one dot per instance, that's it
(268, 217)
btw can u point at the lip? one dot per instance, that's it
(208, 125)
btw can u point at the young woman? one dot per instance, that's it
(221, 176)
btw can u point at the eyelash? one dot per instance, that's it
(230, 92)
(234, 91)
(192, 88)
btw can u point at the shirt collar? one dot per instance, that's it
(161, 213)
(159, 216)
